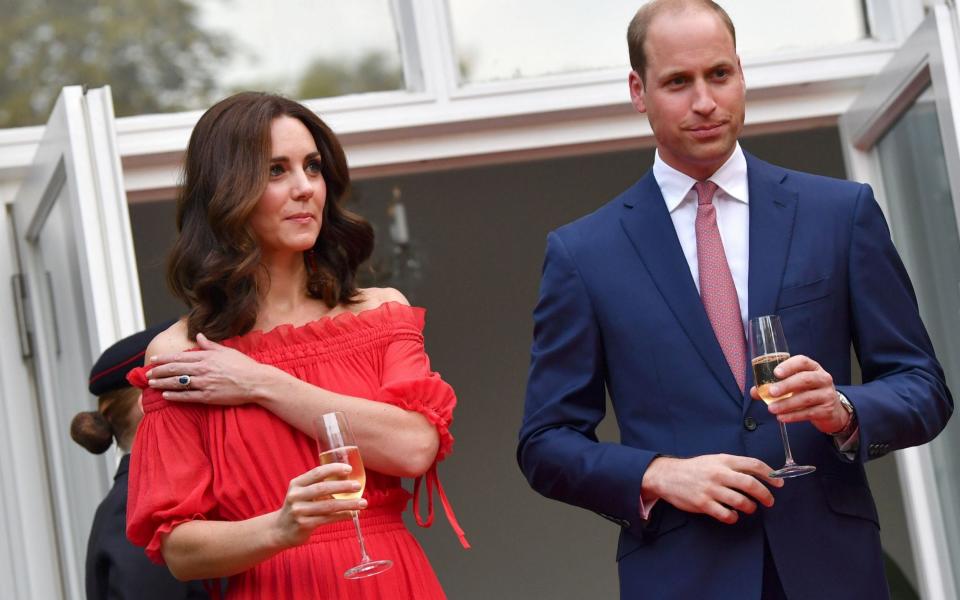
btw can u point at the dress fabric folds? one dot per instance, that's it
(231, 463)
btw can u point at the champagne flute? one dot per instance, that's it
(337, 445)
(768, 348)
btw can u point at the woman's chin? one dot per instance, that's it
(290, 246)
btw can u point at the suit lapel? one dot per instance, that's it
(647, 223)
(772, 210)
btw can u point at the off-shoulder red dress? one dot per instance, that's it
(231, 463)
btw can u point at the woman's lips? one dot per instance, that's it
(300, 218)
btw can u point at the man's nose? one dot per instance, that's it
(703, 101)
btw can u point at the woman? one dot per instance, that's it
(224, 479)
(117, 569)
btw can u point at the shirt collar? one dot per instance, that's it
(731, 178)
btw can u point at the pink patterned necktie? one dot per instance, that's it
(717, 291)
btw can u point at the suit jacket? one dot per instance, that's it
(619, 314)
(118, 570)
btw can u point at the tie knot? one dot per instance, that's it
(705, 191)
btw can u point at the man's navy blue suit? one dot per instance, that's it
(619, 313)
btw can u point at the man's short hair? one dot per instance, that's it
(640, 25)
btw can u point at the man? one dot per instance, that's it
(620, 312)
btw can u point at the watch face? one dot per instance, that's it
(845, 403)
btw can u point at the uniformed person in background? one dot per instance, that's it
(115, 568)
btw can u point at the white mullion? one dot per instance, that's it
(894, 20)
(410, 54)
(437, 51)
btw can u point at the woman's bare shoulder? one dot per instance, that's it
(172, 339)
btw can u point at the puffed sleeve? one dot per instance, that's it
(408, 382)
(170, 472)
(430, 396)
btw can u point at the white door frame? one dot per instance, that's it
(30, 545)
(75, 175)
(928, 58)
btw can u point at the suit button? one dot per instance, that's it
(750, 424)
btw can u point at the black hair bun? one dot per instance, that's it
(92, 431)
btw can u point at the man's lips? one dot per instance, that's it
(707, 130)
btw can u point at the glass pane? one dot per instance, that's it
(924, 226)
(504, 39)
(813, 25)
(306, 49)
(184, 54)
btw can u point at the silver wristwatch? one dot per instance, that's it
(852, 423)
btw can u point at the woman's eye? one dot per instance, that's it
(314, 166)
(276, 170)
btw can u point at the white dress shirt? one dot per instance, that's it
(733, 220)
(733, 216)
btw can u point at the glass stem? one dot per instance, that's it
(363, 549)
(786, 448)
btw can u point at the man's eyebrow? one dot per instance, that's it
(672, 73)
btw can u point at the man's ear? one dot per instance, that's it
(743, 79)
(637, 92)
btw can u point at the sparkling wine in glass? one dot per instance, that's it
(337, 445)
(768, 348)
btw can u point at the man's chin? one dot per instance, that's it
(714, 154)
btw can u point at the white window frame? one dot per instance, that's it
(438, 123)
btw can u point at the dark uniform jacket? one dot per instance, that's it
(118, 570)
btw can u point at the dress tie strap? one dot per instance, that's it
(433, 481)
(212, 587)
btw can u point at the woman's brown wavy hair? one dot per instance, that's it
(214, 266)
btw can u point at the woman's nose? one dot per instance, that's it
(302, 189)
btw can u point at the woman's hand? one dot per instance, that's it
(309, 503)
(214, 374)
(201, 549)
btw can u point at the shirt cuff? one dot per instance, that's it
(646, 505)
(848, 447)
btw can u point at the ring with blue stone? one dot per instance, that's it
(184, 381)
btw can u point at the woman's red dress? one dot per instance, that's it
(231, 463)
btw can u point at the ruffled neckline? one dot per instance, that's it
(342, 324)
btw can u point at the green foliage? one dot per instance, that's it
(151, 52)
(372, 72)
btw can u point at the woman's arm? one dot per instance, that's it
(211, 549)
(394, 441)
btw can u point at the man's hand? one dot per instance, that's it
(717, 485)
(814, 398)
